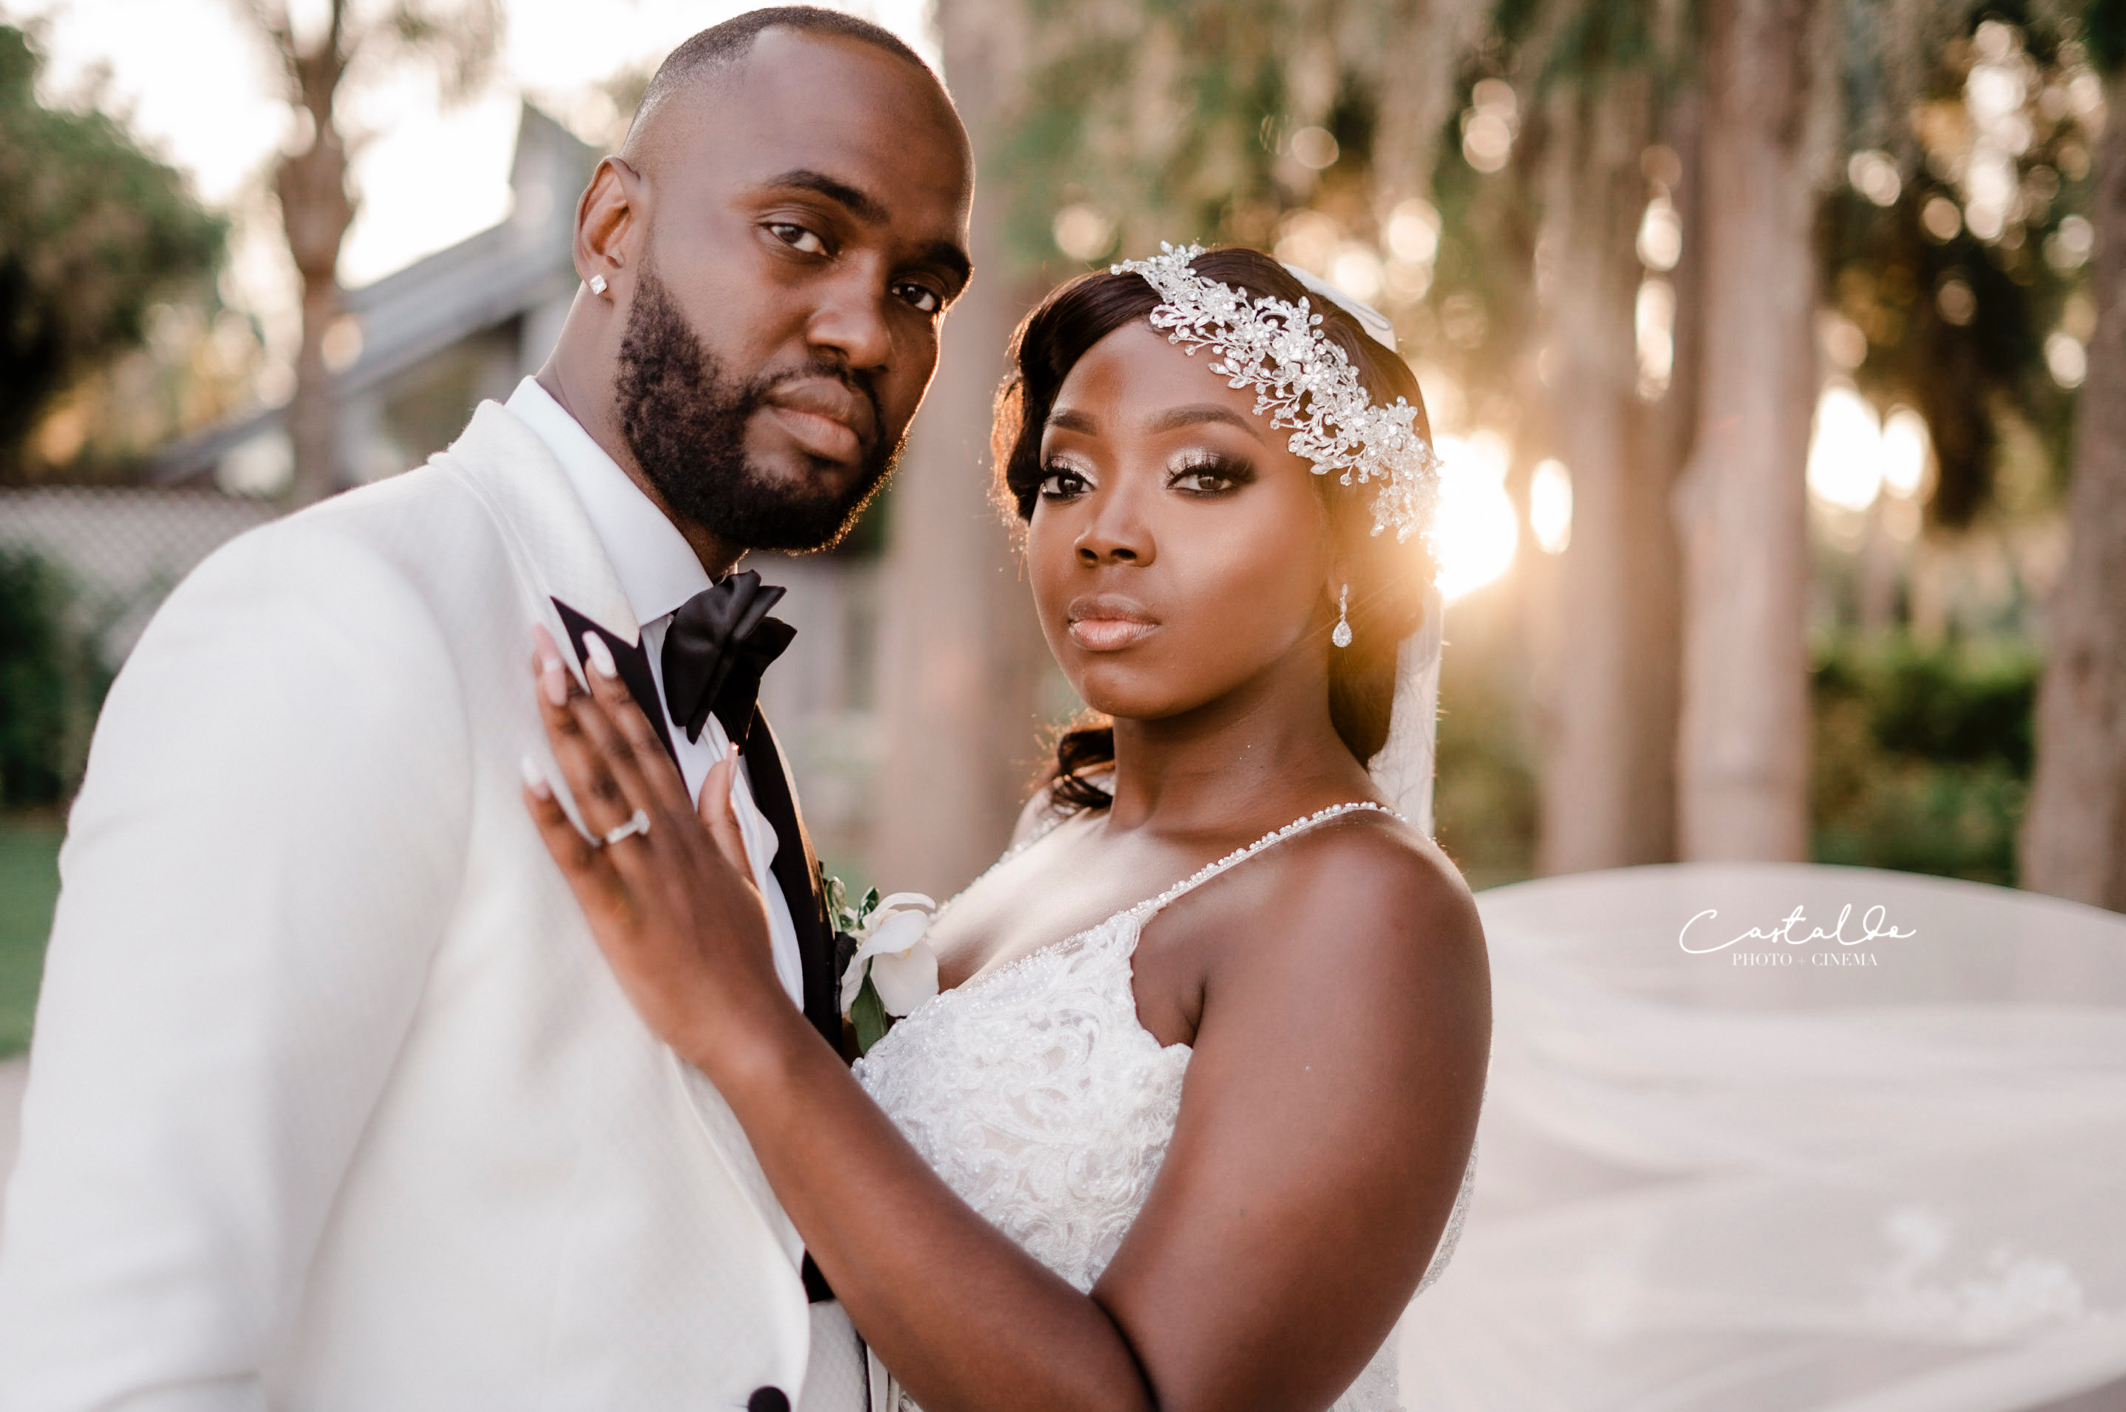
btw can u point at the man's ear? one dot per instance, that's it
(607, 215)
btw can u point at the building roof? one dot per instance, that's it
(482, 281)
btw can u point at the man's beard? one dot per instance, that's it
(686, 423)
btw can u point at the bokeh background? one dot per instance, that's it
(1764, 339)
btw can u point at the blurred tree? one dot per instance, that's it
(1206, 119)
(458, 38)
(93, 233)
(1742, 747)
(961, 650)
(2074, 833)
(1957, 238)
(1609, 82)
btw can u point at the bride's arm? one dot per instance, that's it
(1328, 1110)
(1326, 1121)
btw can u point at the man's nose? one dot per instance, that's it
(851, 321)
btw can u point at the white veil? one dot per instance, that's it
(1404, 767)
(1897, 1187)
(1711, 1187)
(1707, 1187)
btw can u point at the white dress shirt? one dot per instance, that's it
(658, 572)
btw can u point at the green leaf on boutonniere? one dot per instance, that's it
(868, 1014)
(840, 914)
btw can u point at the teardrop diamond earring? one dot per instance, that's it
(1342, 635)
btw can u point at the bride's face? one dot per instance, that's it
(1178, 551)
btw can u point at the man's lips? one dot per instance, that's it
(826, 417)
(1107, 622)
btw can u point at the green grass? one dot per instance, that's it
(29, 884)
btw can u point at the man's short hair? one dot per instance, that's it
(726, 45)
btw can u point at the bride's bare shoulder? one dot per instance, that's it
(1365, 895)
(1373, 873)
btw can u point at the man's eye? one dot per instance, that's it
(798, 238)
(920, 297)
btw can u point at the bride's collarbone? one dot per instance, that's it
(1032, 902)
(1074, 880)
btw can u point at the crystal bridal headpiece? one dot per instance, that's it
(1302, 381)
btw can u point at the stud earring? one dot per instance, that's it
(597, 284)
(1342, 635)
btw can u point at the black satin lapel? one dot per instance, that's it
(796, 871)
(634, 663)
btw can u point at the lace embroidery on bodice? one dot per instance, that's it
(1037, 1094)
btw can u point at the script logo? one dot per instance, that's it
(1872, 926)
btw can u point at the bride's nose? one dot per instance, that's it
(1116, 533)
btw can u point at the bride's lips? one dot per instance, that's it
(825, 417)
(1108, 622)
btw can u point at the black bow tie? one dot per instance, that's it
(719, 643)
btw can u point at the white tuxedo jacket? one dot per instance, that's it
(333, 1103)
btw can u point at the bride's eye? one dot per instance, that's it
(1062, 481)
(1209, 475)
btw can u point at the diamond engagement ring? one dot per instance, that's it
(639, 824)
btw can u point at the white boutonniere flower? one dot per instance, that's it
(894, 970)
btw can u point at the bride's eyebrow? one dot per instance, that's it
(1178, 417)
(1068, 419)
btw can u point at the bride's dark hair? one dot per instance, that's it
(1388, 578)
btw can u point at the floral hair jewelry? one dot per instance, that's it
(1303, 382)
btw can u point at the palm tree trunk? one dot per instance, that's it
(316, 209)
(2074, 832)
(960, 648)
(1742, 761)
(1609, 767)
(314, 412)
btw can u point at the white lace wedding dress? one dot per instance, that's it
(1041, 1099)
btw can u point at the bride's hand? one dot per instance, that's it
(673, 905)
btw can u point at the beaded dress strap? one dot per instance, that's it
(1151, 907)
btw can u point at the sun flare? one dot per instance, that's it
(1477, 530)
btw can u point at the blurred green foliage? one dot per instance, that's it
(1485, 795)
(1921, 755)
(1956, 319)
(29, 888)
(52, 682)
(93, 233)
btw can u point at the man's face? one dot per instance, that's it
(804, 230)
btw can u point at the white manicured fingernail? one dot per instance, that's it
(553, 680)
(535, 778)
(600, 656)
